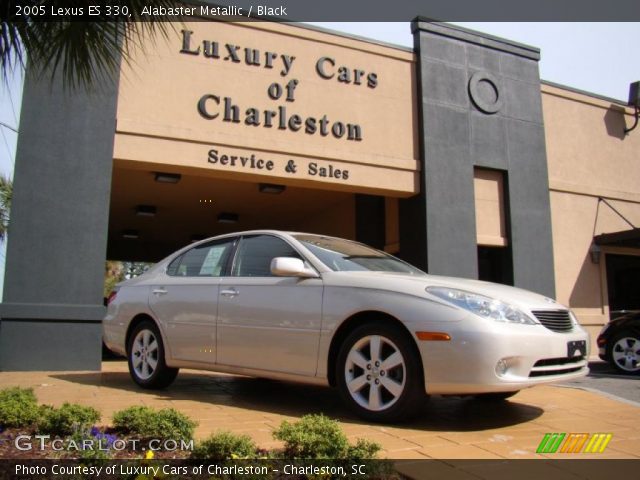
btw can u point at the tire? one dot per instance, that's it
(625, 352)
(494, 396)
(393, 389)
(145, 356)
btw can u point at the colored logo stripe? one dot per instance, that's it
(598, 443)
(550, 442)
(574, 443)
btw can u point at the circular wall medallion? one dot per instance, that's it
(484, 92)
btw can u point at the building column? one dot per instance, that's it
(53, 289)
(480, 106)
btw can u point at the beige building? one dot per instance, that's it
(594, 186)
(452, 155)
(236, 106)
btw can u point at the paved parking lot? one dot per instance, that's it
(448, 428)
(607, 380)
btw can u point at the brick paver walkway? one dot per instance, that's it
(448, 428)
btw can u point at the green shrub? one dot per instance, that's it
(149, 423)
(363, 450)
(18, 407)
(133, 419)
(67, 419)
(316, 436)
(225, 446)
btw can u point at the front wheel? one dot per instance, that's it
(378, 374)
(145, 354)
(625, 352)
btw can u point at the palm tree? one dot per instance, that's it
(6, 192)
(84, 52)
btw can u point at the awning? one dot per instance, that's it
(626, 238)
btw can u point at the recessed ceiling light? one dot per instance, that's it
(271, 188)
(168, 177)
(146, 210)
(227, 217)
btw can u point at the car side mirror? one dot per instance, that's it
(291, 267)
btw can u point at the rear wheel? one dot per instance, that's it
(146, 357)
(378, 375)
(625, 352)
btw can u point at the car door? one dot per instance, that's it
(186, 300)
(267, 322)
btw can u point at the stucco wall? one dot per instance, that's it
(589, 157)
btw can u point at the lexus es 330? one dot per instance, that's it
(323, 310)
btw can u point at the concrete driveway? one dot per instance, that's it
(607, 380)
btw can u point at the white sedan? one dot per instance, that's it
(324, 310)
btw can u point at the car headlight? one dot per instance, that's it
(482, 306)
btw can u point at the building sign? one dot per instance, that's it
(252, 162)
(268, 100)
(275, 117)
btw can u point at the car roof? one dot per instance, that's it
(169, 258)
(239, 234)
(266, 232)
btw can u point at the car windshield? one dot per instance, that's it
(344, 255)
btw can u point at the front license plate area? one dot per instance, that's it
(577, 348)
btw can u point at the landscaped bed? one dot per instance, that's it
(29, 430)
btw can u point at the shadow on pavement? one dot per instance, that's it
(604, 369)
(275, 397)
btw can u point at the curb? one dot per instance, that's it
(604, 394)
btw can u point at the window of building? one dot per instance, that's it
(489, 195)
(492, 234)
(495, 265)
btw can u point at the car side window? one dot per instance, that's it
(172, 269)
(254, 255)
(206, 260)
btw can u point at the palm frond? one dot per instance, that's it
(85, 53)
(6, 194)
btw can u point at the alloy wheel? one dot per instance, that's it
(375, 372)
(626, 354)
(144, 354)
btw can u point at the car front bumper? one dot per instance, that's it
(469, 362)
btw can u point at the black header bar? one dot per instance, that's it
(326, 10)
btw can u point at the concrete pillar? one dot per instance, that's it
(53, 288)
(480, 106)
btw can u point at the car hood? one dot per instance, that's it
(416, 285)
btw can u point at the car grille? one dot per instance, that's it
(556, 320)
(557, 366)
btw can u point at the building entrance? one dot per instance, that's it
(623, 278)
(153, 213)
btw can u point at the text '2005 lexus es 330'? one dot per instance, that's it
(324, 310)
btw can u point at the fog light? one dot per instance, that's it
(501, 368)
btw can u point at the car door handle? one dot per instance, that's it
(159, 291)
(231, 292)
